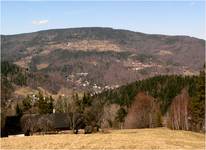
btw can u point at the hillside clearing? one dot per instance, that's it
(157, 138)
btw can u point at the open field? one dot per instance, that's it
(158, 138)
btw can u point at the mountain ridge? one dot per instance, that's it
(66, 28)
(107, 57)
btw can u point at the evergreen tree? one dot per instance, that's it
(86, 100)
(26, 103)
(18, 110)
(45, 104)
(198, 103)
(121, 114)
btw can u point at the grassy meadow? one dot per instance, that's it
(157, 138)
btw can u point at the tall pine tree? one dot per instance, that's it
(198, 104)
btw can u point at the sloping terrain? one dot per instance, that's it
(158, 138)
(95, 59)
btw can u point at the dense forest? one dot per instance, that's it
(163, 89)
(11, 75)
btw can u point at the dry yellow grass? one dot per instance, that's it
(42, 66)
(158, 138)
(23, 91)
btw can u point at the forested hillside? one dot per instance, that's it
(163, 88)
(159, 96)
(172, 100)
(95, 59)
(11, 76)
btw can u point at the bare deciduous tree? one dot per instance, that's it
(178, 114)
(144, 112)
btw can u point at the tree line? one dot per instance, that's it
(162, 88)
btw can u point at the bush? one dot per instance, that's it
(88, 129)
(45, 123)
(29, 124)
(36, 123)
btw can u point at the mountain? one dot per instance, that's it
(95, 58)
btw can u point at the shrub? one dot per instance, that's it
(29, 124)
(45, 123)
(88, 129)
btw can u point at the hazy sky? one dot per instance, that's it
(172, 18)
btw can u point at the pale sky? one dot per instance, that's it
(163, 17)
